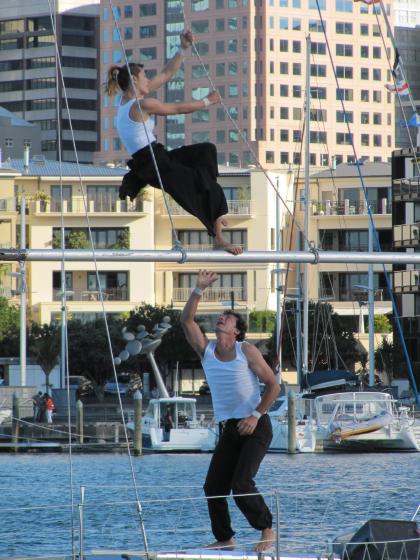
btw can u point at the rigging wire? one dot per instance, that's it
(370, 215)
(177, 244)
(101, 296)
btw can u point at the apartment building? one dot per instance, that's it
(339, 222)
(252, 220)
(17, 134)
(30, 85)
(255, 55)
(406, 227)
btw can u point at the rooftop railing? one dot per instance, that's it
(77, 206)
(238, 207)
(350, 208)
(108, 294)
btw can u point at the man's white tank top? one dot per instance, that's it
(132, 133)
(234, 387)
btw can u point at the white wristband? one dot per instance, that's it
(198, 291)
(256, 414)
(206, 101)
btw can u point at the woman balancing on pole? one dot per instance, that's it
(189, 174)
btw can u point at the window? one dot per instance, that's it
(284, 157)
(284, 113)
(220, 47)
(364, 73)
(377, 74)
(376, 52)
(344, 117)
(284, 135)
(148, 53)
(233, 23)
(9, 142)
(364, 118)
(296, 158)
(128, 11)
(364, 29)
(220, 114)
(318, 48)
(284, 90)
(364, 52)
(284, 45)
(344, 5)
(197, 71)
(364, 95)
(232, 45)
(297, 113)
(200, 136)
(313, 4)
(317, 137)
(377, 140)
(284, 67)
(200, 26)
(296, 46)
(200, 116)
(147, 10)
(344, 50)
(364, 139)
(344, 138)
(128, 33)
(296, 24)
(199, 5)
(220, 24)
(345, 72)
(319, 93)
(377, 118)
(318, 115)
(315, 26)
(147, 31)
(269, 156)
(343, 94)
(377, 96)
(297, 91)
(375, 30)
(284, 23)
(343, 28)
(297, 69)
(319, 70)
(233, 90)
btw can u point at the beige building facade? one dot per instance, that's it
(254, 53)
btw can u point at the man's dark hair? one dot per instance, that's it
(240, 324)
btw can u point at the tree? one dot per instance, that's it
(44, 344)
(174, 347)
(89, 352)
(331, 344)
(9, 328)
(384, 360)
(262, 321)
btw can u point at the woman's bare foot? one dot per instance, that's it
(225, 246)
(225, 545)
(266, 541)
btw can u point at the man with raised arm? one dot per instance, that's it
(234, 370)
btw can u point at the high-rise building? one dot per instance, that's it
(30, 85)
(407, 37)
(255, 55)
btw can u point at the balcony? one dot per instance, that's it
(348, 294)
(108, 294)
(207, 246)
(350, 208)
(406, 189)
(407, 281)
(77, 205)
(212, 295)
(235, 207)
(407, 235)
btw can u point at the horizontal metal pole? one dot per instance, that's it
(203, 257)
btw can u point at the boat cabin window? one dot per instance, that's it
(150, 412)
(276, 405)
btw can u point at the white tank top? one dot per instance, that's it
(132, 133)
(235, 389)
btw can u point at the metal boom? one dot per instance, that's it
(312, 256)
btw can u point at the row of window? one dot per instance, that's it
(172, 7)
(47, 62)
(44, 104)
(10, 143)
(342, 94)
(317, 70)
(314, 159)
(340, 5)
(68, 39)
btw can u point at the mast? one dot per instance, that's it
(306, 207)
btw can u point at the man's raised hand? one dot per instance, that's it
(206, 278)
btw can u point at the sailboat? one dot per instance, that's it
(332, 412)
(185, 432)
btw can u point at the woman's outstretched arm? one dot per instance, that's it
(173, 64)
(154, 107)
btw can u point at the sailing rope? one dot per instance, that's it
(101, 295)
(370, 214)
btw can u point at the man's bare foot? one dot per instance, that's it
(225, 545)
(225, 246)
(267, 540)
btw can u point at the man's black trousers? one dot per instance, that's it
(234, 464)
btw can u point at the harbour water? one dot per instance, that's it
(320, 496)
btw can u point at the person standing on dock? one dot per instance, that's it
(234, 369)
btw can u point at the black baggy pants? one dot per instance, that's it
(234, 464)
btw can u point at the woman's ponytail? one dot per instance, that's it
(112, 86)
